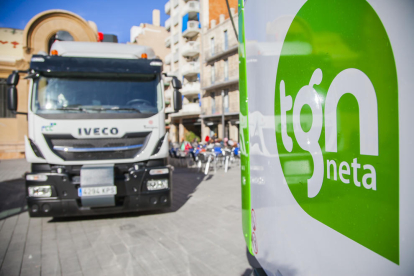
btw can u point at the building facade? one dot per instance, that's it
(220, 79)
(16, 50)
(184, 62)
(203, 55)
(152, 35)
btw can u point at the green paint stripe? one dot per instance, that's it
(244, 134)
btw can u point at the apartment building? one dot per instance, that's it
(184, 62)
(152, 35)
(220, 74)
(204, 56)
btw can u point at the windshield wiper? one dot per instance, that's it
(115, 108)
(77, 108)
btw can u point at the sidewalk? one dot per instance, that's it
(12, 193)
(200, 235)
(13, 169)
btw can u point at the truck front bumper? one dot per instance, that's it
(41, 207)
(131, 185)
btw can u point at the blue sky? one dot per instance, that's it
(112, 17)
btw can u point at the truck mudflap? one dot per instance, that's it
(136, 188)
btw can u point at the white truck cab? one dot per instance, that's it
(96, 138)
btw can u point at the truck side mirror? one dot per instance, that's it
(176, 83)
(177, 99)
(13, 79)
(12, 98)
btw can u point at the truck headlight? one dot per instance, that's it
(157, 184)
(40, 191)
(36, 177)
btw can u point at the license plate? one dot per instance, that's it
(97, 191)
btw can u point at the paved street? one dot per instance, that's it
(200, 235)
(13, 169)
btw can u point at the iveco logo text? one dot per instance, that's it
(98, 131)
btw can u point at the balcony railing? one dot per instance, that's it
(167, 59)
(191, 69)
(221, 78)
(190, 49)
(167, 80)
(168, 24)
(191, 7)
(169, 109)
(167, 8)
(168, 42)
(176, 56)
(176, 20)
(193, 28)
(176, 38)
(218, 49)
(191, 88)
(193, 108)
(168, 94)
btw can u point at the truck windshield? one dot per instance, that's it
(52, 95)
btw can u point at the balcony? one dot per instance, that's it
(191, 69)
(190, 108)
(176, 20)
(167, 8)
(191, 49)
(193, 28)
(221, 79)
(167, 80)
(168, 42)
(191, 7)
(167, 60)
(221, 50)
(176, 57)
(168, 24)
(191, 88)
(168, 94)
(176, 38)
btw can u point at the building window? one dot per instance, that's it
(212, 46)
(4, 112)
(213, 74)
(213, 103)
(226, 101)
(226, 40)
(226, 69)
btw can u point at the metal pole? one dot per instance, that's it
(222, 113)
(231, 18)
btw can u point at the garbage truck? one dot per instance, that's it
(96, 130)
(326, 110)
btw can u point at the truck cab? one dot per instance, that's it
(96, 141)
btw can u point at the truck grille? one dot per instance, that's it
(69, 148)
